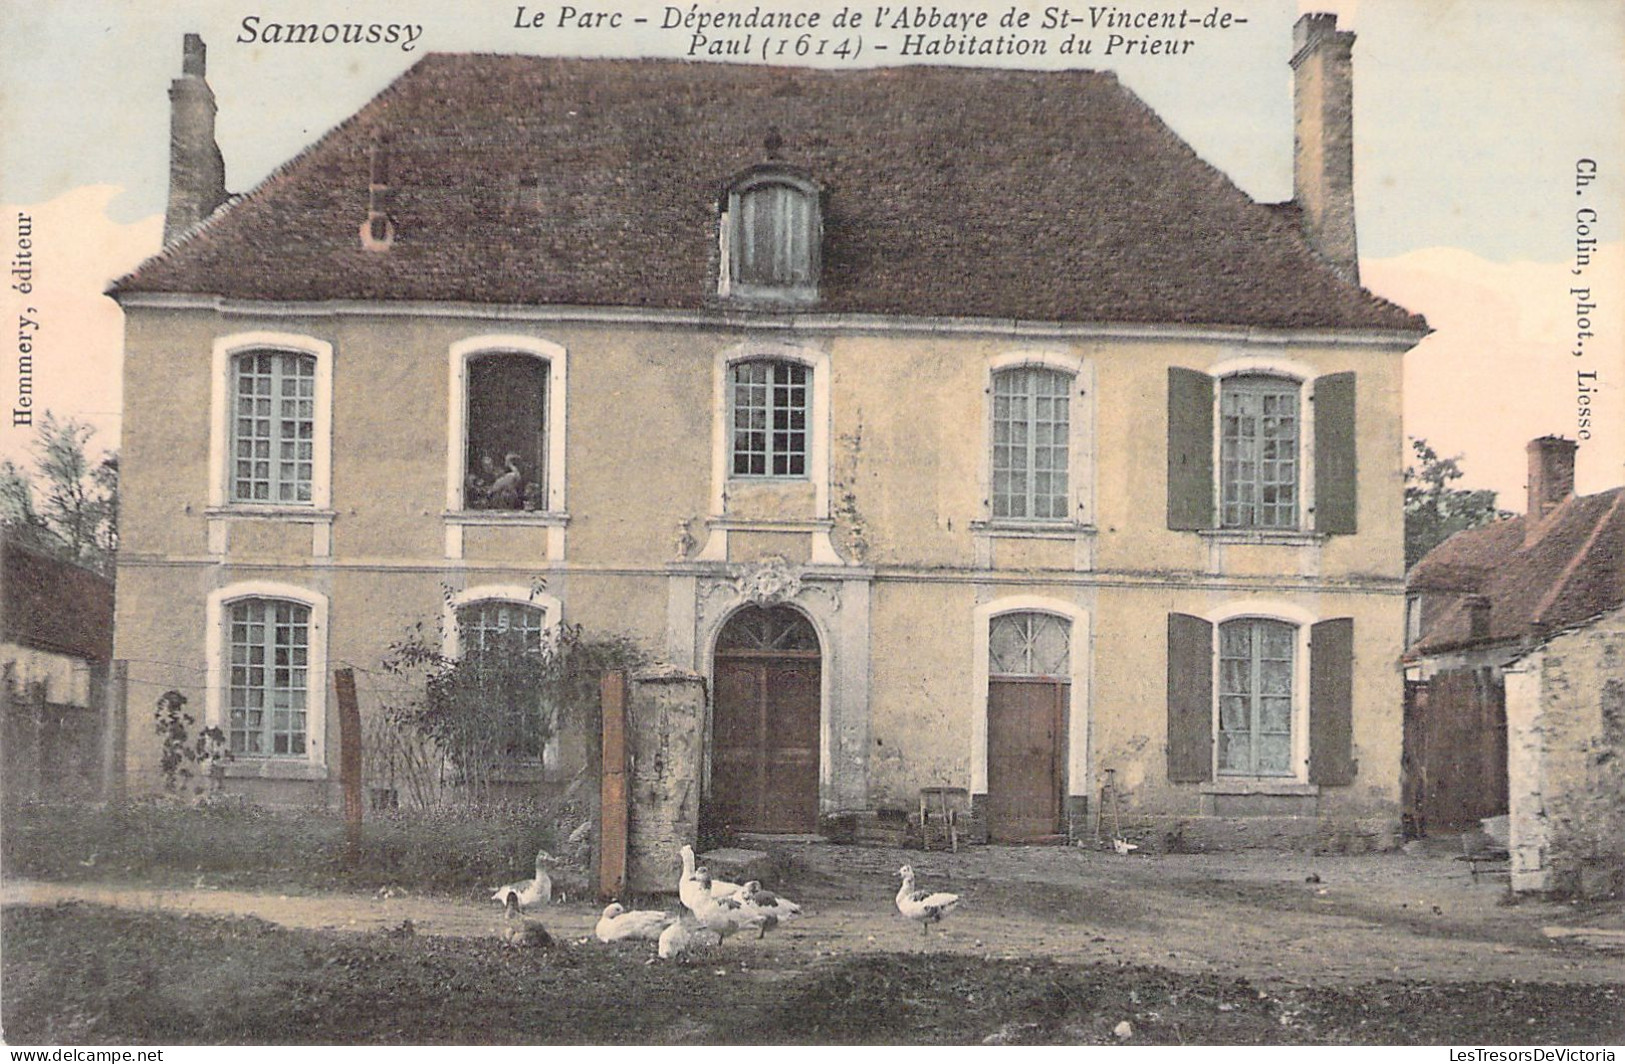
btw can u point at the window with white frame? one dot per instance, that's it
(1258, 452)
(273, 427)
(769, 405)
(773, 231)
(1256, 668)
(1029, 644)
(1031, 444)
(493, 634)
(505, 463)
(268, 697)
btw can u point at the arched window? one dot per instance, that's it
(499, 641)
(1258, 452)
(1029, 644)
(769, 403)
(270, 677)
(505, 458)
(1031, 444)
(273, 427)
(505, 439)
(759, 629)
(772, 234)
(266, 676)
(1256, 668)
(486, 625)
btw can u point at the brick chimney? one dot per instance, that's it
(1551, 476)
(197, 173)
(1323, 140)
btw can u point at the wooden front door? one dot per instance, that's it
(764, 734)
(1025, 773)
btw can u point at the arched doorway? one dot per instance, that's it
(764, 730)
(1029, 670)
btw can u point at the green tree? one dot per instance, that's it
(1435, 511)
(66, 504)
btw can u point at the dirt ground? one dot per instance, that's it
(1265, 917)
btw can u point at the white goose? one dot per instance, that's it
(726, 915)
(680, 936)
(765, 907)
(530, 893)
(618, 923)
(927, 908)
(720, 888)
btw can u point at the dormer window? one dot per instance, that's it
(771, 235)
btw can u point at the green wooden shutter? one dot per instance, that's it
(1336, 472)
(1190, 699)
(1331, 703)
(1190, 449)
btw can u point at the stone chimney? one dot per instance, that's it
(1323, 140)
(197, 173)
(1551, 476)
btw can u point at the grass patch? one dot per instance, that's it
(77, 974)
(251, 847)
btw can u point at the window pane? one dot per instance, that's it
(264, 630)
(1031, 438)
(1258, 452)
(1029, 644)
(259, 426)
(1256, 697)
(770, 418)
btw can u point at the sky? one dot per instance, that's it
(1470, 118)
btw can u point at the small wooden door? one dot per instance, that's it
(764, 733)
(1025, 773)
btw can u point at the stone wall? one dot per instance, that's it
(1566, 734)
(665, 737)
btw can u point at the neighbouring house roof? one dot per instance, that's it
(949, 192)
(1571, 569)
(50, 604)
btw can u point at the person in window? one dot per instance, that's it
(479, 484)
(508, 489)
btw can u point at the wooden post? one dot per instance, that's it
(614, 820)
(36, 784)
(349, 759)
(115, 731)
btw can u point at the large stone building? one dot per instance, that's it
(962, 427)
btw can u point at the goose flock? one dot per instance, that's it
(712, 910)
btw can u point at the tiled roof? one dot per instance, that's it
(950, 192)
(50, 604)
(1572, 570)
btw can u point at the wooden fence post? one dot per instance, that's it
(36, 784)
(349, 759)
(115, 731)
(613, 810)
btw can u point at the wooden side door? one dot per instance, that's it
(1025, 773)
(735, 796)
(764, 743)
(790, 746)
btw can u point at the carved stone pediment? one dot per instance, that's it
(770, 582)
